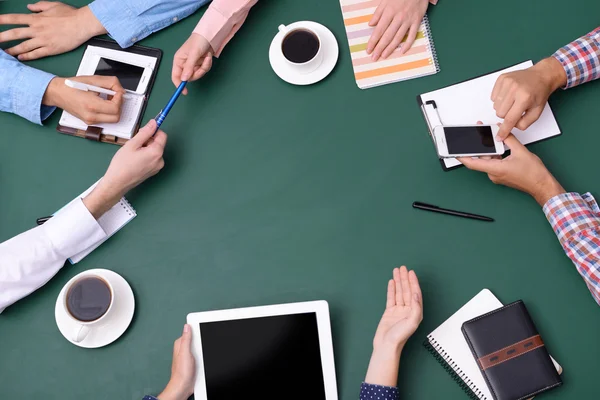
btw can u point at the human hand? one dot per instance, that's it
(521, 170)
(192, 60)
(183, 370)
(520, 96)
(53, 28)
(394, 19)
(87, 106)
(402, 316)
(139, 159)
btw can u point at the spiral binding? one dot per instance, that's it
(127, 206)
(453, 369)
(430, 45)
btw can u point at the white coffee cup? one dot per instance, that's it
(83, 328)
(310, 65)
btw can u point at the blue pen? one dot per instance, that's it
(165, 111)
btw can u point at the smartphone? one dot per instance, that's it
(467, 141)
(133, 78)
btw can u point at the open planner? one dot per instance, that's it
(468, 102)
(448, 344)
(420, 60)
(136, 69)
(111, 222)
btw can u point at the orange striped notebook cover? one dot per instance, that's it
(420, 60)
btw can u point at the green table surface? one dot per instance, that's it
(274, 193)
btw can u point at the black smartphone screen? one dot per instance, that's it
(129, 75)
(470, 140)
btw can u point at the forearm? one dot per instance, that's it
(575, 219)
(129, 21)
(22, 89)
(222, 20)
(32, 258)
(580, 59)
(383, 367)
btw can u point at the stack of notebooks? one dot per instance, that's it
(420, 60)
(493, 351)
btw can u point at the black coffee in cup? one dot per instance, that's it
(300, 46)
(88, 299)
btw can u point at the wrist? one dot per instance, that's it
(553, 73)
(174, 391)
(89, 25)
(53, 94)
(384, 365)
(101, 199)
(547, 189)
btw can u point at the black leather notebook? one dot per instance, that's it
(510, 353)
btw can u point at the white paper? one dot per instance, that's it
(468, 102)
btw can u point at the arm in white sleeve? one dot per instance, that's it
(32, 258)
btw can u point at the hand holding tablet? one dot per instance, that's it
(263, 352)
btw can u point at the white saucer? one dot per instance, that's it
(113, 326)
(287, 72)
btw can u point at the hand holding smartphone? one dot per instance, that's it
(467, 141)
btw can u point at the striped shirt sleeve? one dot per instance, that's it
(575, 219)
(581, 59)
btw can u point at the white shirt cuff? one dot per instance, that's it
(73, 229)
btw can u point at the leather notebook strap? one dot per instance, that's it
(509, 352)
(93, 133)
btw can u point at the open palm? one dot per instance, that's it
(403, 310)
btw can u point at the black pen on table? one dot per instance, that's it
(43, 220)
(432, 208)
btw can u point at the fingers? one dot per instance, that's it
(176, 72)
(514, 145)
(492, 166)
(143, 135)
(203, 69)
(159, 140)
(24, 47)
(497, 88)
(530, 117)
(406, 295)
(391, 294)
(398, 285)
(387, 38)
(395, 43)
(410, 39)
(377, 16)
(106, 82)
(35, 54)
(417, 297)
(97, 105)
(41, 6)
(16, 19)
(382, 25)
(512, 117)
(16, 34)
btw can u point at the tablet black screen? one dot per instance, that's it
(263, 358)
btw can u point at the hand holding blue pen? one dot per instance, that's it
(165, 111)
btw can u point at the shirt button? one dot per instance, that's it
(134, 39)
(175, 19)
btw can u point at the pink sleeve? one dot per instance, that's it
(222, 20)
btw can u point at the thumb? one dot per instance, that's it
(143, 135)
(513, 144)
(41, 6)
(186, 338)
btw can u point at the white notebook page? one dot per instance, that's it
(449, 338)
(130, 111)
(468, 102)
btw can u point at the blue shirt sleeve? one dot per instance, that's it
(22, 89)
(378, 392)
(129, 21)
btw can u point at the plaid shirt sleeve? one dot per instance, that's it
(575, 219)
(581, 59)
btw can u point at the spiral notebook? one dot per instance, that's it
(420, 60)
(447, 343)
(111, 222)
